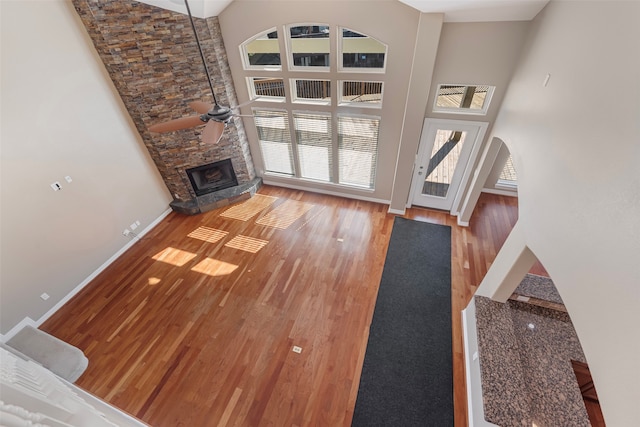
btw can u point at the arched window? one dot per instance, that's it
(304, 137)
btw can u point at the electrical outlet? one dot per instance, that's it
(133, 226)
(44, 296)
(126, 232)
(137, 222)
(68, 178)
(297, 349)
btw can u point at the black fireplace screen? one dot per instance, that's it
(212, 177)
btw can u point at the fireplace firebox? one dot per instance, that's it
(212, 177)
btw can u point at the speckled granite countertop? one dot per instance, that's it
(539, 287)
(525, 362)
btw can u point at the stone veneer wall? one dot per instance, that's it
(152, 57)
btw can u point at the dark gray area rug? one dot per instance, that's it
(407, 377)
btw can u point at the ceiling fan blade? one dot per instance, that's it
(200, 107)
(212, 132)
(177, 124)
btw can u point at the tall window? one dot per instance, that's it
(317, 144)
(275, 141)
(313, 136)
(358, 150)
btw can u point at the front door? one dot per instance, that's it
(443, 156)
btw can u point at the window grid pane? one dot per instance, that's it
(357, 150)
(312, 90)
(275, 141)
(262, 51)
(310, 45)
(365, 92)
(313, 138)
(267, 87)
(361, 51)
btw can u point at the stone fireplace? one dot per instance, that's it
(212, 177)
(153, 60)
(215, 185)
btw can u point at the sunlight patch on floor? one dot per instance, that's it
(246, 210)
(247, 244)
(174, 256)
(214, 267)
(207, 234)
(285, 214)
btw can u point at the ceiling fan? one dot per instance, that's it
(215, 116)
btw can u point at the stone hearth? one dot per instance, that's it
(153, 60)
(217, 199)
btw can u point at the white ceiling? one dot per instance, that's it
(480, 10)
(454, 10)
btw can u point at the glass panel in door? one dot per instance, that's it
(442, 164)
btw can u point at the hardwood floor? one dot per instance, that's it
(195, 324)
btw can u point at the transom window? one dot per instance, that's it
(463, 99)
(306, 138)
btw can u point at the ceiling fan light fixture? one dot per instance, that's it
(218, 113)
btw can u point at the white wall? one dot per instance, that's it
(61, 116)
(477, 53)
(576, 147)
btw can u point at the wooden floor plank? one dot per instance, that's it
(195, 324)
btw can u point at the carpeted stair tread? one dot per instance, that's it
(59, 357)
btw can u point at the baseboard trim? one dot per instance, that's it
(266, 181)
(500, 192)
(397, 211)
(36, 323)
